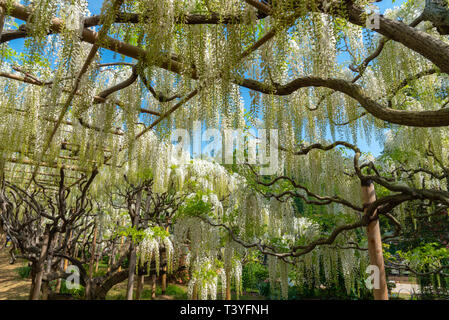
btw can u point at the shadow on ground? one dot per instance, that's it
(12, 287)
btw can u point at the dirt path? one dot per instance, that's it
(11, 286)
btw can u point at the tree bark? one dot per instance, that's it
(97, 261)
(101, 291)
(2, 235)
(122, 240)
(164, 279)
(375, 242)
(33, 280)
(91, 265)
(195, 292)
(111, 260)
(132, 271)
(140, 283)
(62, 263)
(46, 283)
(92, 254)
(40, 268)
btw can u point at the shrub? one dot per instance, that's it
(177, 292)
(264, 289)
(77, 293)
(253, 274)
(24, 272)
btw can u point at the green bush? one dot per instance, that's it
(77, 293)
(264, 289)
(173, 290)
(146, 294)
(433, 287)
(24, 272)
(253, 274)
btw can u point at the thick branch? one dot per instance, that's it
(434, 118)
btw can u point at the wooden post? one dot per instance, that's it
(66, 262)
(228, 283)
(133, 251)
(375, 241)
(59, 281)
(75, 254)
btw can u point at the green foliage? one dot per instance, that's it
(139, 234)
(282, 244)
(24, 272)
(146, 173)
(102, 270)
(424, 248)
(205, 273)
(331, 292)
(177, 292)
(77, 293)
(264, 289)
(195, 206)
(253, 274)
(430, 255)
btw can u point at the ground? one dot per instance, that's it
(12, 287)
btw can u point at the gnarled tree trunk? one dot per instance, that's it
(153, 286)
(40, 264)
(140, 283)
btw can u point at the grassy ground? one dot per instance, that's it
(173, 292)
(13, 287)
